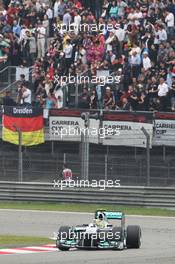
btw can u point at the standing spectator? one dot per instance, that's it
(162, 34)
(49, 14)
(61, 9)
(93, 100)
(51, 101)
(146, 61)
(7, 99)
(46, 25)
(135, 62)
(77, 21)
(99, 95)
(24, 96)
(67, 18)
(23, 81)
(41, 34)
(121, 8)
(172, 94)
(59, 97)
(132, 97)
(16, 28)
(56, 5)
(108, 101)
(68, 51)
(169, 20)
(25, 46)
(162, 93)
(84, 99)
(113, 12)
(66, 173)
(32, 48)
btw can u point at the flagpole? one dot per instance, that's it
(20, 154)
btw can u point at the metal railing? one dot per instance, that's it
(8, 76)
(133, 196)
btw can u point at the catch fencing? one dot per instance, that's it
(126, 164)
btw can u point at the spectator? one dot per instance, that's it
(32, 48)
(108, 101)
(67, 19)
(126, 105)
(49, 13)
(146, 61)
(7, 100)
(68, 51)
(41, 38)
(59, 96)
(51, 101)
(169, 20)
(162, 34)
(162, 93)
(113, 12)
(93, 100)
(84, 99)
(135, 62)
(33, 29)
(66, 173)
(172, 94)
(26, 96)
(23, 80)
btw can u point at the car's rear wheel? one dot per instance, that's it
(133, 237)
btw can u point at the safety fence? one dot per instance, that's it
(46, 192)
(126, 164)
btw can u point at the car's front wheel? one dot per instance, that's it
(133, 237)
(63, 248)
(64, 233)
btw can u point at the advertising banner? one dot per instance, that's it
(164, 129)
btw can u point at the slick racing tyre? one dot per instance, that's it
(63, 248)
(64, 233)
(133, 237)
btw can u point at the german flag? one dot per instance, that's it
(28, 120)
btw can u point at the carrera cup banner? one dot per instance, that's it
(126, 129)
(122, 129)
(126, 133)
(164, 129)
(72, 128)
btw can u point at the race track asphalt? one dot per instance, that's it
(158, 235)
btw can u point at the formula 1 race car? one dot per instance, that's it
(100, 234)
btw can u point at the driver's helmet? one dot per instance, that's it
(101, 216)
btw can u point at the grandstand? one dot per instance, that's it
(106, 57)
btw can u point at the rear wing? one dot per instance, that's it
(110, 214)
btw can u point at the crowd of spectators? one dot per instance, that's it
(133, 42)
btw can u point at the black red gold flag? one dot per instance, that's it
(28, 120)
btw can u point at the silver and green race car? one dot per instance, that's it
(100, 234)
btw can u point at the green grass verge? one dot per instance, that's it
(10, 241)
(85, 208)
